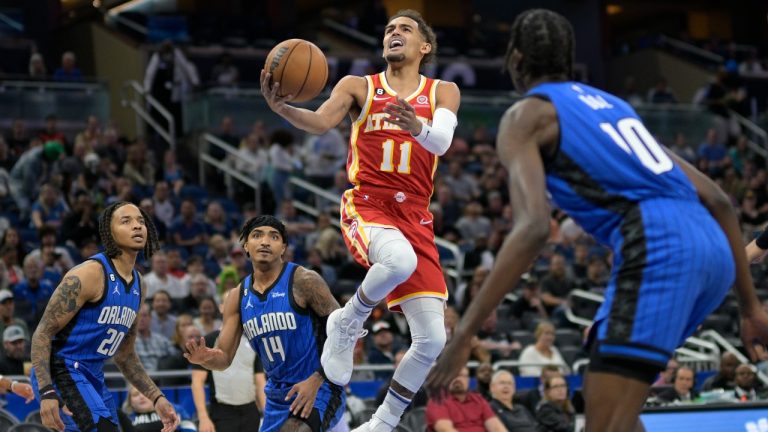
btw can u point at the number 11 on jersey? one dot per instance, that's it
(388, 147)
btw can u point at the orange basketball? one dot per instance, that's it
(300, 68)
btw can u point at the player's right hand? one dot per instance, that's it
(49, 414)
(754, 331)
(270, 91)
(206, 425)
(200, 354)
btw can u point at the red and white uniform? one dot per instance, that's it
(392, 176)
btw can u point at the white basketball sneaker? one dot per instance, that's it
(382, 421)
(338, 351)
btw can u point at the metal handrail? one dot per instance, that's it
(720, 340)
(53, 85)
(227, 169)
(140, 97)
(353, 33)
(760, 148)
(692, 49)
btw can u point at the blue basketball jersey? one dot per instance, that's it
(606, 159)
(96, 331)
(282, 333)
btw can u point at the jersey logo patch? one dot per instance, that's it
(112, 277)
(276, 295)
(135, 292)
(422, 100)
(116, 290)
(248, 305)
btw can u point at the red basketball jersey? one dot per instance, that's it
(383, 155)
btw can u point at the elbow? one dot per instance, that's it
(536, 230)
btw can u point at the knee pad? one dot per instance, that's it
(392, 250)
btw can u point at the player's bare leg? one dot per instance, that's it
(614, 402)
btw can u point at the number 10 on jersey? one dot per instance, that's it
(388, 148)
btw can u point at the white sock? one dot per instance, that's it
(356, 308)
(394, 406)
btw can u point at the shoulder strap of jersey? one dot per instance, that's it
(432, 86)
(366, 108)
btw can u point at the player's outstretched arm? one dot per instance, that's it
(327, 116)
(130, 365)
(220, 357)
(525, 127)
(80, 285)
(754, 323)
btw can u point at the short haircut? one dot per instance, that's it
(425, 30)
(264, 220)
(545, 39)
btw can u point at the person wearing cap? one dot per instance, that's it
(383, 349)
(14, 351)
(7, 309)
(32, 170)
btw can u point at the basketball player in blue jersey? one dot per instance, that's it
(89, 319)
(675, 237)
(282, 309)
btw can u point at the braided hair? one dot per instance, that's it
(105, 232)
(545, 39)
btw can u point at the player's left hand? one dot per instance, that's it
(403, 115)
(754, 330)
(306, 392)
(167, 414)
(24, 390)
(448, 365)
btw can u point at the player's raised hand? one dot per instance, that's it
(167, 414)
(49, 414)
(404, 115)
(306, 392)
(448, 366)
(754, 330)
(198, 353)
(270, 92)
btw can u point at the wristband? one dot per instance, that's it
(762, 240)
(12, 383)
(154, 402)
(48, 392)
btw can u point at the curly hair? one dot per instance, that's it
(425, 30)
(105, 232)
(545, 39)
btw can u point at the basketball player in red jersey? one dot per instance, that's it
(401, 122)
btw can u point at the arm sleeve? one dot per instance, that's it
(436, 138)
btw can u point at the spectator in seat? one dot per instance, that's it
(12, 272)
(37, 69)
(207, 318)
(725, 377)
(14, 351)
(176, 360)
(163, 321)
(170, 78)
(322, 156)
(542, 351)
(555, 412)
(138, 415)
(164, 208)
(464, 187)
(747, 388)
(187, 231)
(160, 279)
(515, 417)
(383, 349)
(49, 209)
(661, 93)
(224, 72)
(196, 266)
(713, 156)
(82, 223)
(556, 284)
(462, 410)
(148, 205)
(216, 221)
(90, 138)
(138, 168)
(530, 301)
(68, 70)
(172, 172)
(150, 347)
(48, 239)
(683, 149)
(531, 398)
(473, 224)
(32, 294)
(7, 311)
(51, 132)
(666, 377)
(682, 387)
(199, 290)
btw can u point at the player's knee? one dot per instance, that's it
(428, 346)
(399, 258)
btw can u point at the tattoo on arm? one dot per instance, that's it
(129, 363)
(311, 287)
(62, 306)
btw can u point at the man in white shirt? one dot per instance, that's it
(160, 279)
